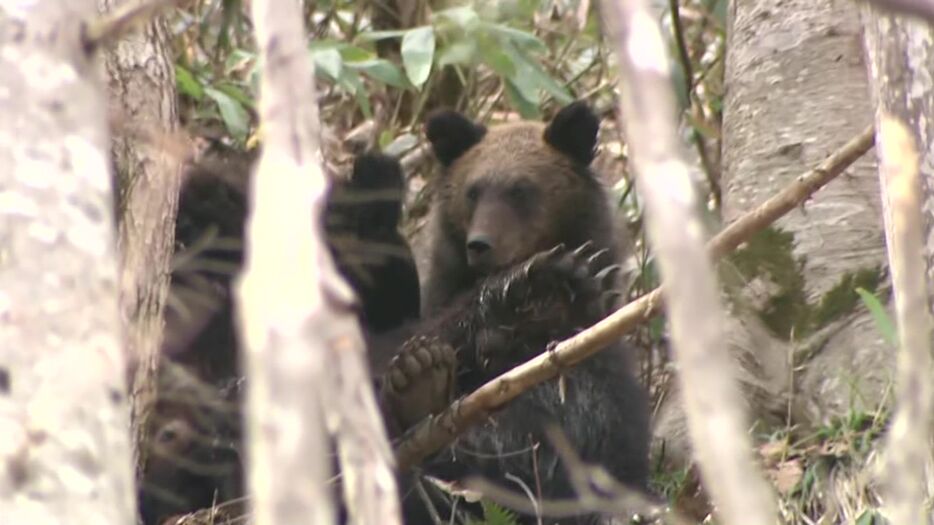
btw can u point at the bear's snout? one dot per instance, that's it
(479, 251)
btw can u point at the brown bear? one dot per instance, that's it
(523, 246)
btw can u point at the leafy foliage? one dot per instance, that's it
(883, 322)
(493, 514)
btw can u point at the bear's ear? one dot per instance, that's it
(573, 132)
(451, 134)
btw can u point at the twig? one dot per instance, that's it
(682, 47)
(696, 137)
(596, 491)
(907, 442)
(436, 432)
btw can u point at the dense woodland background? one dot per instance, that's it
(765, 91)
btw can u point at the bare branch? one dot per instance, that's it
(907, 446)
(434, 433)
(304, 351)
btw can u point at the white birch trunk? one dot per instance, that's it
(64, 451)
(304, 352)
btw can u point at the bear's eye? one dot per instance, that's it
(521, 192)
(473, 193)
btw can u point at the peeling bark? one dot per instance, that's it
(142, 97)
(64, 451)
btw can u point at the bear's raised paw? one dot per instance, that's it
(584, 277)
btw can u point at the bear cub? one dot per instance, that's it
(524, 247)
(195, 435)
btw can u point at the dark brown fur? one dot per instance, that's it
(528, 196)
(499, 290)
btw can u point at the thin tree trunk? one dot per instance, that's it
(900, 57)
(900, 54)
(64, 451)
(142, 95)
(304, 351)
(713, 407)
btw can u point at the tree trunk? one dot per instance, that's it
(65, 452)
(304, 352)
(142, 95)
(713, 409)
(900, 54)
(796, 82)
(810, 350)
(900, 57)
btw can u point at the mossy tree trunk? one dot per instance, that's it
(796, 87)
(143, 104)
(797, 80)
(64, 445)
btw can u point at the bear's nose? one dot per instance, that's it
(478, 246)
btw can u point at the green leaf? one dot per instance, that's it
(418, 50)
(237, 59)
(187, 83)
(718, 10)
(328, 61)
(520, 38)
(883, 322)
(493, 514)
(350, 82)
(463, 17)
(237, 94)
(381, 70)
(498, 61)
(530, 76)
(372, 36)
(527, 108)
(321, 45)
(364, 102)
(234, 115)
(679, 83)
(355, 54)
(869, 517)
(385, 137)
(460, 52)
